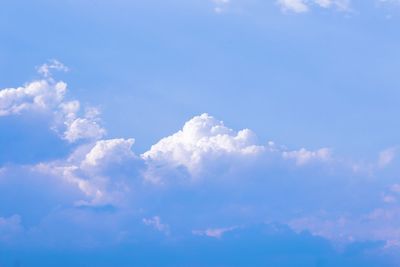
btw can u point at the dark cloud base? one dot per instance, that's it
(269, 245)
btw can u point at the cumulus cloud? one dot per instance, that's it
(49, 96)
(205, 147)
(83, 128)
(201, 139)
(109, 174)
(109, 151)
(39, 95)
(94, 169)
(243, 181)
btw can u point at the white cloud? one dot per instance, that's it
(87, 169)
(214, 232)
(48, 96)
(302, 6)
(53, 64)
(96, 169)
(91, 188)
(107, 172)
(39, 95)
(304, 156)
(109, 151)
(156, 223)
(83, 128)
(298, 6)
(205, 147)
(201, 139)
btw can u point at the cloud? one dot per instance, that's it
(386, 157)
(53, 64)
(379, 224)
(214, 232)
(252, 245)
(303, 6)
(297, 6)
(95, 168)
(83, 128)
(155, 222)
(104, 182)
(110, 151)
(205, 147)
(39, 95)
(47, 96)
(304, 156)
(201, 139)
(220, 5)
(342, 5)
(10, 228)
(205, 176)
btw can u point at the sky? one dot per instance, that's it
(199, 133)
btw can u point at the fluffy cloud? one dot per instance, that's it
(201, 139)
(205, 147)
(83, 128)
(279, 185)
(204, 176)
(94, 169)
(48, 96)
(109, 151)
(39, 95)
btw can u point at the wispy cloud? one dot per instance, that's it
(303, 6)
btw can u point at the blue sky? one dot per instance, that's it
(199, 133)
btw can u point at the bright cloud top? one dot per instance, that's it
(202, 138)
(49, 97)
